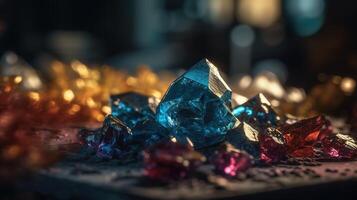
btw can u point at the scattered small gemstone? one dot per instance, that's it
(339, 146)
(169, 160)
(229, 161)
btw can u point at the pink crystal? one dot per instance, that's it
(339, 146)
(231, 162)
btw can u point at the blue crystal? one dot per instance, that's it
(116, 140)
(197, 106)
(245, 137)
(146, 134)
(133, 108)
(257, 112)
(113, 134)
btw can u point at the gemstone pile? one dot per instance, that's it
(196, 114)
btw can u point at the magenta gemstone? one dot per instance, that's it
(171, 161)
(271, 149)
(230, 163)
(339, 146)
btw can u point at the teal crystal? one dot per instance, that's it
(197, 105)
(257, 112)
(133, 108)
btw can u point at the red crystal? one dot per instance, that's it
(339, 146)
(303, 135)
(171, 161)
(231, 162)
(272, 147)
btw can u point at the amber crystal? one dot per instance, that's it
(303, 135)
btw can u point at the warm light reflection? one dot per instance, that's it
(68, 95)
(348, 85)
(261, 13)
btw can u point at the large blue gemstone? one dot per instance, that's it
(197, 106)
(133, 108)
(257, 112)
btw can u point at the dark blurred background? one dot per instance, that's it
(296, 39)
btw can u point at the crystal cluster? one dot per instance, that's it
(196, 113)
(267, 146)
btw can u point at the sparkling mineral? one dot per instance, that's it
(113, 134)
(146, 134)
(267, 146)
(229, 161)
(169, 160)
(303, 135)
(133, 108)
(339, 146)
(258, 112)
(197, 105)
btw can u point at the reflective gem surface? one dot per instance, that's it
(169, 160)
(113, 134)
(146, 133)
(272, 146)
(268, 146)
(257, 112)
(133, 108)
(302, 135)
(230, 161)
(197, 106)
(339, 146)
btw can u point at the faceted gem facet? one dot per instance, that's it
(230, 161)
(339, 146)
(268, 146)
(169, 160)
(257, 112)
(272, 146)
(302, 135)
(146, 133)
(115, 140)
(113, 143)
(197, 106)
(133, 108)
